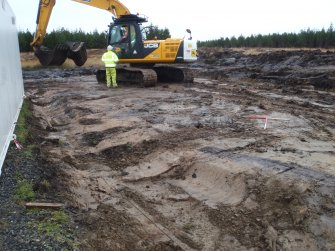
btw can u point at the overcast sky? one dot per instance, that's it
(210, 19)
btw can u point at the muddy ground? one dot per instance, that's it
(188, 167)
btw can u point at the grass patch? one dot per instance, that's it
(22, 128)
(55, 226)
(52, 226)
(45, 185)
(30, 150)
(24, 190)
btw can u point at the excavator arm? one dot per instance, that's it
(42, 21)
(73, 50)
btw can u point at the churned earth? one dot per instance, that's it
(241, 159)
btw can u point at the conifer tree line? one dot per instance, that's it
(93, 40)
(305, 38)
(153, 32)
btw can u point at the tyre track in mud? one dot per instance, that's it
(182, 168)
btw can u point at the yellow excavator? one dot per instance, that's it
(146, 59)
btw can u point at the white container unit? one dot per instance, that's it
(11, 83)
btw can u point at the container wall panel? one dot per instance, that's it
(11, 84)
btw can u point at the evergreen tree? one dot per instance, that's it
(305, 38)
(153, 32)
(25, 38)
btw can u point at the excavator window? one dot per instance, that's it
(132, 35)
(144, 32)
(126, 38)
(119, 38)
(123, 38)
(115, 35)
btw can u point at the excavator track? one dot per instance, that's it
(57, 56)
(131, 75)
(149, 77)
(173, 74)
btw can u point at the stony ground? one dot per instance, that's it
(242, 159)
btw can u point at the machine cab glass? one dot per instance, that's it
(124, 40)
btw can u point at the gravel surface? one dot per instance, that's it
(23, 229)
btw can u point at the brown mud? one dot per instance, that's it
(185, 167)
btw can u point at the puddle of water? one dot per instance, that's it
(284, 124)
(301, 100)
(273, 166)
(312, 154)
(176, 108)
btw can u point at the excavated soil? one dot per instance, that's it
(191, 167)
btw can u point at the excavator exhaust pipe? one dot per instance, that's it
(57, 56)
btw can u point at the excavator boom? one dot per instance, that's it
(113, 6)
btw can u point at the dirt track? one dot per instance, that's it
(185, 167)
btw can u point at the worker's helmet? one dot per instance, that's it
(109, 48)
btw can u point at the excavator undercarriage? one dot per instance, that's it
(149, 77)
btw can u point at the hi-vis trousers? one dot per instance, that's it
(111, 77)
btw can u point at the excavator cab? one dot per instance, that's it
(126, 37)
(148, 58)
(130, 44)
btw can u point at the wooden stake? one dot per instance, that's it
(44, 205)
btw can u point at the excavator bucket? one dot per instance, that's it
(77, 52)
(57, 56)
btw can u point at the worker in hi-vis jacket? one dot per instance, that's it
(110, 59)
